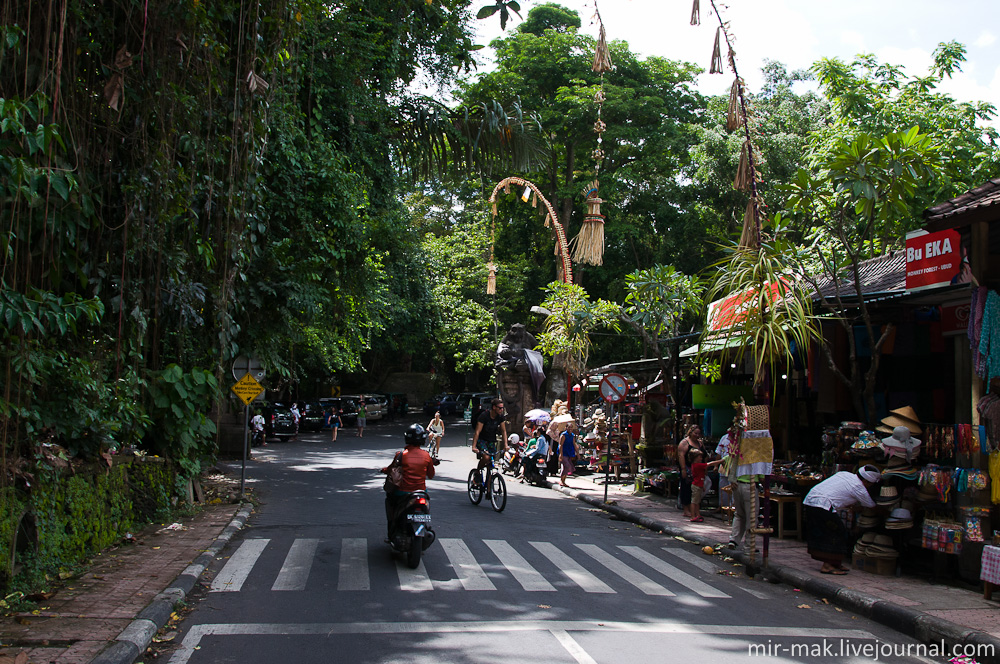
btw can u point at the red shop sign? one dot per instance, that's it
(932, 259)
(732, 309)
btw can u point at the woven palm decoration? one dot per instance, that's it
(744, 174)
(589, 244)
(696, 13)
(734, 117)
(716, 66)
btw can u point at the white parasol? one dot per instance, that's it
(538, 416)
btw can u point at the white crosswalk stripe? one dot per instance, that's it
(638, 580)
(674, 574)
(413, 580)
(354, 565)
(295, 571)
(572, 569)
(469, 572)
(236, 570)
(529, 578)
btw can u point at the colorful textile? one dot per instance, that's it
(976, 325)
(991, 564)
(989, 340)
(755, 455)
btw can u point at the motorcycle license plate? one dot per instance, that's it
(419, 518)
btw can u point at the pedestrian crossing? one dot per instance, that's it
(473, 566)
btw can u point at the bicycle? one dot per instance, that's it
(492, 485)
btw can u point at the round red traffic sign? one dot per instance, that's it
(613, 388)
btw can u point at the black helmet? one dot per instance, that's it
(415, 435)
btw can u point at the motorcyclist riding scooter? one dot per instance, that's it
(407, 504)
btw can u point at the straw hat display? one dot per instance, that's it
(899, 519)
(898, 466)
(905, 417)
(881, 547)
(887, 496)
(901, 443)
(861, 547)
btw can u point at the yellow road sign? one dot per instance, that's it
(247, 388)
(335, 391)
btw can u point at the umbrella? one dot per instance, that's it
(537, 415)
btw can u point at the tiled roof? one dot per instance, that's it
(879, 275)
(984, 196)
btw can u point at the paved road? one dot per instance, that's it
(549, 579)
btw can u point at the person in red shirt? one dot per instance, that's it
(698, 470)
(416, 466)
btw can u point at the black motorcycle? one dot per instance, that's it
(535, 469)
(410, 531)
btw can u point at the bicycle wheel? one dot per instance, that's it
(498, 492)
(475, 489)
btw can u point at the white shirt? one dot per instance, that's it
(722, 449)
(839, 491)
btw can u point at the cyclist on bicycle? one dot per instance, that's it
(488, 424)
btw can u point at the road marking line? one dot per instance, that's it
(193, 638)
(706, 565)
(230, 579)
(529, 578)
(674, 574)
(295, 570)
(413, 580)
(637, 579)
(572, 569)
(572, 647)
(469, 572)
(354, 564)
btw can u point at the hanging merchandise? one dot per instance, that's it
(995, 476)
(976, 326)
(989, 340)
(989, 412)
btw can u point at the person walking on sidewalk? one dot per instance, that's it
(698, 470)
(362, 416)
(691, 440)
(335, 423)
(826, 535)
(567, 452)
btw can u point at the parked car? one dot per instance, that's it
(479, 404)
(383, 404)
(446, 404)
(466, 399)
(372, 407)
(313, 416)
(278, 421)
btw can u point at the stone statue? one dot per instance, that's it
(519, 373)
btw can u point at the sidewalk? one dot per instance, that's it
(111, 612)
(916, 607)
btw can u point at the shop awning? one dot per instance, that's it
(712, 345)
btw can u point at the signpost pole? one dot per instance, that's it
(607, 451)
(246, 446)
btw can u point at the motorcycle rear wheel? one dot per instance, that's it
(413, 554)
(475, 490)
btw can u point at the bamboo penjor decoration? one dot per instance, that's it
(588, 245)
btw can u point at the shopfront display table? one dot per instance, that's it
(781, 501)
(990, 572)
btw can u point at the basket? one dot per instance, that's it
(758, 418)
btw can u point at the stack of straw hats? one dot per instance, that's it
(901, 417)
(868, 519)
(881, 547)
(899, 519)
(887, 496)
(898, 466)
(861, 546)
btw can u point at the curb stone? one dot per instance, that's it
(135, 638)
(922, 626)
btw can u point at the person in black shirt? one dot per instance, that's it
(488, 424)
